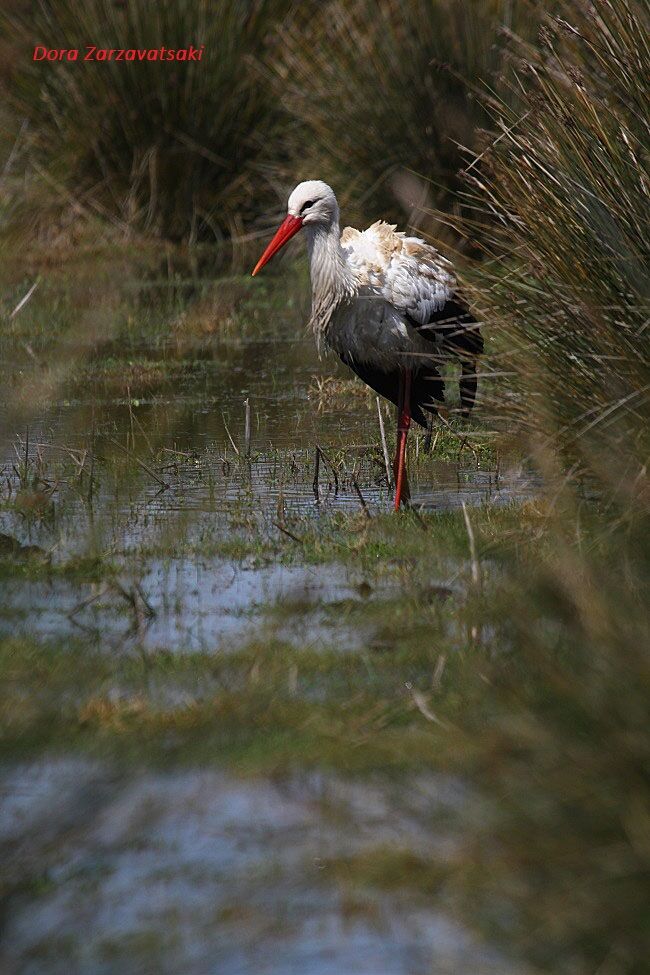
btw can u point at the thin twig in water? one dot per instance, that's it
(476, 573)
(356, 487)
(128, 393)
(331, 467)
(73, 451)
(134, 597)
(142, 429)
(91, 475)
(234, 445)
(173, 450)
(151, 612)
(247, 426)
(426, 446)
(316, 473)
(26, 451)
(87, 602)
(285, 531)
(141, 463)
(384, 446)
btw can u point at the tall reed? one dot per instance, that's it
(559, 868)
(565, 189)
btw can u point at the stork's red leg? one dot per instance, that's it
(403, 424)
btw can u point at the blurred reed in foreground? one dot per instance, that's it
(559, 869)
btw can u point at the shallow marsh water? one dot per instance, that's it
(138, 520)
(142, 453)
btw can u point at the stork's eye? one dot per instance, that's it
(305, 205)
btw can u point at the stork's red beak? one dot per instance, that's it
(289, 226)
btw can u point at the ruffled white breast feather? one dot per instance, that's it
(405, 271)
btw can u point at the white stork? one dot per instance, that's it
(388, 305)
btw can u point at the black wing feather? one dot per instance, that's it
(427, 388)
(455, 325)
(452, 330)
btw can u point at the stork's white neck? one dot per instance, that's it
(332, 281)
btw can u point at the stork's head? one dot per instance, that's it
(311, 204)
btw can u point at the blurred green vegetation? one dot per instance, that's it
(385, 100)
(358, 93)
(167, 149)
(561, 868)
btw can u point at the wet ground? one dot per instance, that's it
(185, 493)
